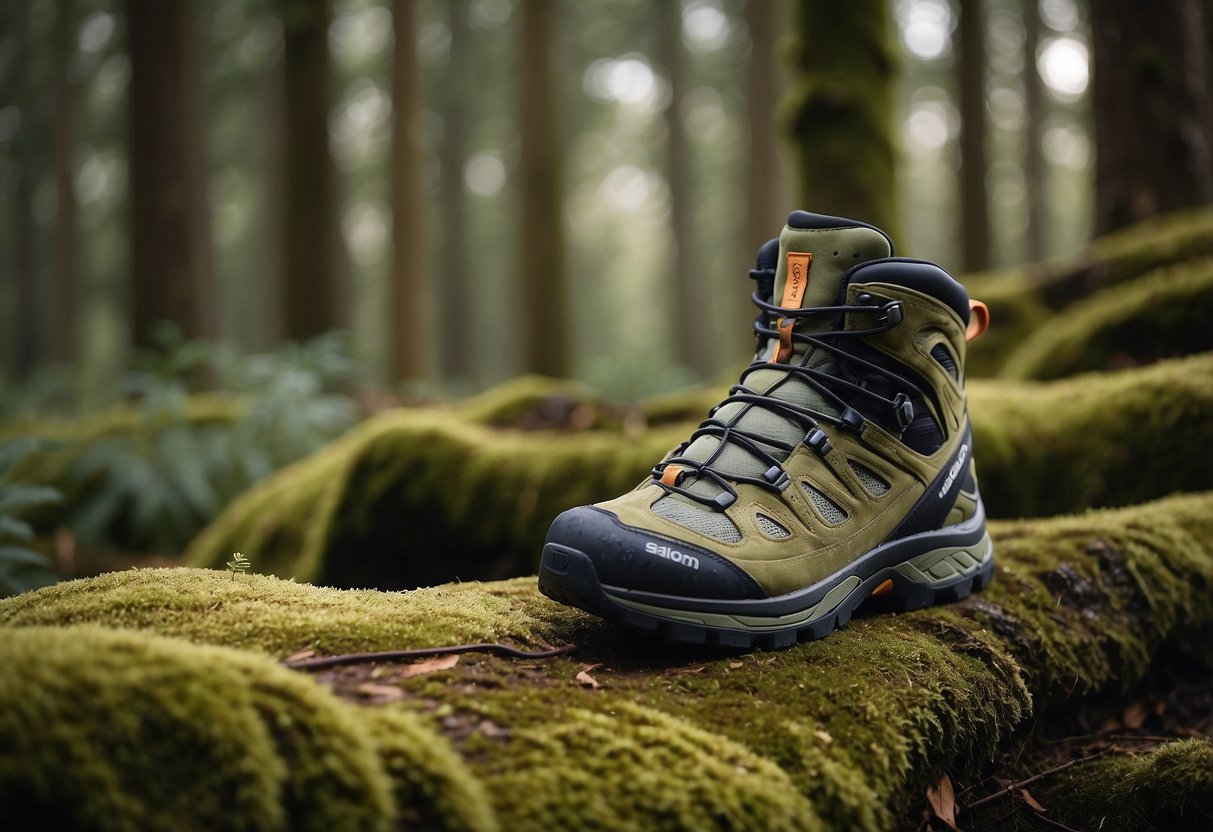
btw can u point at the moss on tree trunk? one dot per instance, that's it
(838, 112)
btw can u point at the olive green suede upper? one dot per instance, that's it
(816, 549)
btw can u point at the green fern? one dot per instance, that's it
(21, 567)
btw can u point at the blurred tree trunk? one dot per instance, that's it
(172, 274)
(271, 291)
(63, 286)
(543, 278)
(839, 111)
(455, 297)
(764, 184)
(1035, 171)
(311, 231)
(24, 161)
(29, 310)
(1150, 96)
(410, 288)
(971, 84)
(690, 321)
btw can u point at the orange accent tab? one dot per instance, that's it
(784, 354)
(884, 589)
(979, 319)
(670, 475)
(797, 278)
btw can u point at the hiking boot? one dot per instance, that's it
(839, 469)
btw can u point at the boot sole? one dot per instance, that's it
(938, 567)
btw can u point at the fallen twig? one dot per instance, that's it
(426, 652)
(1035, 778)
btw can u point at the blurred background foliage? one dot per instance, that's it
(235, 228)
(71, 61)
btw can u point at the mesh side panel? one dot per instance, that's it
(833, 513)
(771, 528)
(875, 485)
(923, 435)
(941, 354)
(705, 521)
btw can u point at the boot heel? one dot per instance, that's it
(939, 576)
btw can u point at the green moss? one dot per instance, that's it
(1162, 314)
(1022, 300)
(1100, 440)
(432, 787)
(200, 409)
(1170, 788)
(840, 734)
(109, 730)
(418, 497)
(105, 730)
(256, 612)
(534, 402)
(594, 770)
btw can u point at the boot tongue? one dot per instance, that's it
(809, 273)
(823, 255)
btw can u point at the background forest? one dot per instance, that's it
(312, 301)
(258, 172)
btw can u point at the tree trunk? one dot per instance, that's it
(765, 208)
(171, 270)
(271, 290)
(767, 203)
(28, 325)
(1035, 171)
(455, 296)
(409, 288)
(311, 231)
(543, 278)
(971, 83)
(840, 110)
(1151, 104)
(64, 323)
(690, 320)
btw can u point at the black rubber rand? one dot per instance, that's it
(569, 575)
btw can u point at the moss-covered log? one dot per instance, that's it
(109, 730)
(419, 497)
(839, 734)
(1164, 314)
(1106, 439)
(1170, 788)
(1021, 300)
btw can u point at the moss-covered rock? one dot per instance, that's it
(417, 497)
(1022, 300)
(838, 734)
(1164, 314)
(1170, 788)
(109, 730)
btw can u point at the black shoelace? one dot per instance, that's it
(826, 383)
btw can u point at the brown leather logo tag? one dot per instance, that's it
(797, 280)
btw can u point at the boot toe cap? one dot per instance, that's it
(634, 559)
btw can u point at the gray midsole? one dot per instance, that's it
(937, 568)
(967, 533)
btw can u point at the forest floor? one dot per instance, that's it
(1174, 701)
